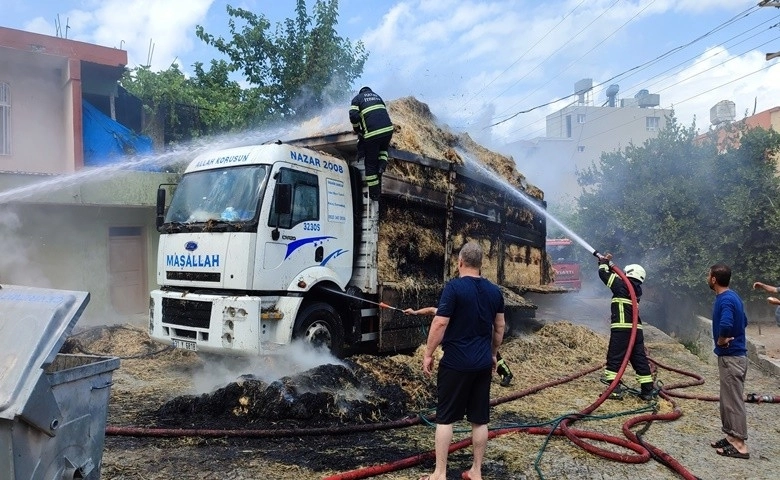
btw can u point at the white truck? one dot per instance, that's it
(264, 244)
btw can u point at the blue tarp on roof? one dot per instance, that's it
(109, 142)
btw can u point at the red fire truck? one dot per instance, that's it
(564, 263)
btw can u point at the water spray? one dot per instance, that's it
(509, 188)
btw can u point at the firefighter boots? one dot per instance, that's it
(503, 370)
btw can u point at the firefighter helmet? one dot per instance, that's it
(635, 271)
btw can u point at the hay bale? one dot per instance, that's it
(416, 130)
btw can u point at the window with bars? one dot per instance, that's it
(5, 119)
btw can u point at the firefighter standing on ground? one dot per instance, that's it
(371, 122)
(620, 330)
(502, 368)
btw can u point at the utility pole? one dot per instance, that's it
(776, 4)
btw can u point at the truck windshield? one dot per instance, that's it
(222, 195)
(561, 253)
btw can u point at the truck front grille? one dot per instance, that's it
(193, 276)
(186, 313)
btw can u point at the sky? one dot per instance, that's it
(479, 63)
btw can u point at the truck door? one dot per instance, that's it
(292, 242)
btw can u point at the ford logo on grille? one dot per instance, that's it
(191, 246)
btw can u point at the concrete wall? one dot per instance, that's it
(66, 247)
(39, 134)
(59, 236)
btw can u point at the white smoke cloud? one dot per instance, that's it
(290, 360)
(16, 265)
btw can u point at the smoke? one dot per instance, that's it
(16, 266)
(289, 360)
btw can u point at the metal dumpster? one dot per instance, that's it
(53, 407)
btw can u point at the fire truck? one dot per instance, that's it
(564, 263)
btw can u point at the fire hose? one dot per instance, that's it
(643, 451)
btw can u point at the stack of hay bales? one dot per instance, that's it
(413, 247)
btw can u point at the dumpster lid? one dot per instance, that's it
(34, 323)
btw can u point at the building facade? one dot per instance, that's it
(579, 133)
(72, 216)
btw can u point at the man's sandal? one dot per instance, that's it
(722, 443)
(731, 451)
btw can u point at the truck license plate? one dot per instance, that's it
(184, 344)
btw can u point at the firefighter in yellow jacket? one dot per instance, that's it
(622, 310)
(371, 122)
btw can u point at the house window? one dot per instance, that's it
(5, 119)
(580, 148)
(652, 123)
(580, 118)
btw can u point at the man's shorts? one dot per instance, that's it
(463, 393)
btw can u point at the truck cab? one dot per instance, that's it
(564, 263)
(248, 231)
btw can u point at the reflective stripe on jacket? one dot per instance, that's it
(621, 307)
(369, 116)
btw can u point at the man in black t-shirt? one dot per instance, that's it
(469, 325)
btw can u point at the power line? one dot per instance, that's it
(551, 55)
(588, 52)
(691, 97)
(523, 55)
(612, 111)
(735, 18)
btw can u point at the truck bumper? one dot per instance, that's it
(226, 325)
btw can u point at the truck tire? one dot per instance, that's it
(320, 325)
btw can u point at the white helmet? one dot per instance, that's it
(635, 271)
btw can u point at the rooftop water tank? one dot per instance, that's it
(612, 92)
(723, 112)
(581, 87)
(650, 100)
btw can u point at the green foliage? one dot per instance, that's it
(677, 206)
(300, 67)
(189, 107)
(693, 347)
(292, 72)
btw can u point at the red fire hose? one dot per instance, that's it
(642, 450)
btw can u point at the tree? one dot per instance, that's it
(677, 206)
(183, 108)
(299, 68)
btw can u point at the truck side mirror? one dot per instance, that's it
(282, 206)
(160, 206)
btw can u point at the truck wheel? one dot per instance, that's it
(320, 325)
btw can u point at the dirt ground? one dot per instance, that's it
(288, 449)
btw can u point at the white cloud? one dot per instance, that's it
(504, 56)
(132, 25)
(168, 25)
(747, 80)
